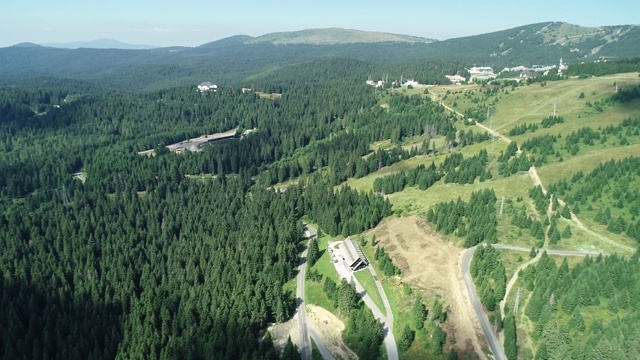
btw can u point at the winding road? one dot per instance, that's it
(492, 340)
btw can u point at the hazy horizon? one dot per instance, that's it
(195, 22)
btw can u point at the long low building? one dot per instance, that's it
(353, 255)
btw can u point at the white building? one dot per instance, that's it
(477, 70)
(353, 255)
(206, 86)
(412, 82)
(562, 67)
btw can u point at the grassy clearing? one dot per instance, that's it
(268, 96)
(582, 240)
(314, 293)
(584, 162)
(416, 201)
(366, 280)
(511, 260)
(149, 153)
(366, 183)
(532, 103)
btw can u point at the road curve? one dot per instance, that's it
(494, 344)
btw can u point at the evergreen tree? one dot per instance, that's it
(407, 339)
(313, 252)
(439, 338)
(290, 351)
(419, 313)
(510, 337)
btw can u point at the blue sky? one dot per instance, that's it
(194, 22)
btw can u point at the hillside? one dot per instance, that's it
(333, 36)
(239, 58)
(584, 158)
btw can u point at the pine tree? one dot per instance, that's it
(313, 253)
(439, 339)
(406, 340)
(290, 351)
(510, 337)
(419, 313)
(566, 233)
(577, 322)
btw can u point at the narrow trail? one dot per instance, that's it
(535, 178)
(514, 278)
(533, 173)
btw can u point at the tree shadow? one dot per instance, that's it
(44, 323)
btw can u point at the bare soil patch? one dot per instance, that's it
(330, 329)
(431, 266)
(320, 321)
(280, 333)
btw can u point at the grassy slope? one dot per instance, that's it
(528, 104)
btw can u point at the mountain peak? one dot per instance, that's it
(333, 36)
(27, 45)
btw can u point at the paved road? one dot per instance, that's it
(550, 252)
(305, 332)
(305, 347)
(326, 354)
(389, 339)
(385, 319)
(494, 343)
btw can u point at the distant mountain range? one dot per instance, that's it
(242, 58)
(100, 44)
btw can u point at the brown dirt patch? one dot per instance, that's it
(431, 265)
(323, 323)
(330, 329)
(280, 333)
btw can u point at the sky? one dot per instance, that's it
(195, 22)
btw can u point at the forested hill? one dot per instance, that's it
(241, 57)
(144, 261)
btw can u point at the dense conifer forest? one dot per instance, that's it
(139, 258)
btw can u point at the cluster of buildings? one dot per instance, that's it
(380, 83)
(537, 70)
(482, 73)
(206, 86)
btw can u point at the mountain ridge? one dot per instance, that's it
(104, 43)
(333, 36)
(238, 58)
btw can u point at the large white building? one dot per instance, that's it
(353, 255)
